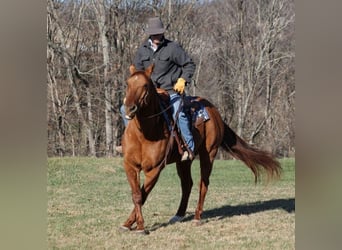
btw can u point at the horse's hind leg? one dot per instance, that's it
(206, 164)
(184, 173)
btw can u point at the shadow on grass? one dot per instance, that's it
(250, 208)
(245, 209)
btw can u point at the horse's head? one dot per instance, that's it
(138, 88)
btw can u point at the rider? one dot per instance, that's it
(173, 70)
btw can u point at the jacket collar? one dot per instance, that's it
(148, 42)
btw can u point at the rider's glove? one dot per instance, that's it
(180, 85)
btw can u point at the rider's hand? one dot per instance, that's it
(180, 85)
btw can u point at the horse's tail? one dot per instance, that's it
(255, 159)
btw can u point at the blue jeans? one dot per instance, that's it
(123, 115)
(183, 120)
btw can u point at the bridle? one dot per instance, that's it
(143, 99)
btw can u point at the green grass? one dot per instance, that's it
(88, 199)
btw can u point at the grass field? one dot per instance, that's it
(88, 199)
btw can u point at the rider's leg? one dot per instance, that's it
(184, 126)
(123, 115)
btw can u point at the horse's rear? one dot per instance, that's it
(218, 134)
(209, 136)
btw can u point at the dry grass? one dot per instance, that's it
(89, 198)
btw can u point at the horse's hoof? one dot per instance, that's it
(196, 222)
(175, 219)
(124, 229)
(142, 232)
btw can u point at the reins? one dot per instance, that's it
(159, 113)
(144, 98)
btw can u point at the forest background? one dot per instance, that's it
(244, 52)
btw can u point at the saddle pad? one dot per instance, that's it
(197, 109)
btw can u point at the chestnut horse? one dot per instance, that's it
(148, 146)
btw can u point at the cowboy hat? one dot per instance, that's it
(154, 26)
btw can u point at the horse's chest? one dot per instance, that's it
(152, 154)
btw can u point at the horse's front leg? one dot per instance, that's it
(136, 215)
(139, 199)
(151, 178)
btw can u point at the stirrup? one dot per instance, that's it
(187, 156)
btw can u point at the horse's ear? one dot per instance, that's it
(149, 70)
(132, 69)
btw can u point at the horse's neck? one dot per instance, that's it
(151, 121)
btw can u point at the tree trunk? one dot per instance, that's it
(57, 113)
(101, 21)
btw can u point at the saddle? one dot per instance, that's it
(193, 108)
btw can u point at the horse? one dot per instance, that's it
(148, 146)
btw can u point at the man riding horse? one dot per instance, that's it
(173, 70)
(148, 142)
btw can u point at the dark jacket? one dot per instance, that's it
(170, 63)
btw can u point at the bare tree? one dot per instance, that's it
(252, 61)
(244, 51)
(59, 44)
(100, 15)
